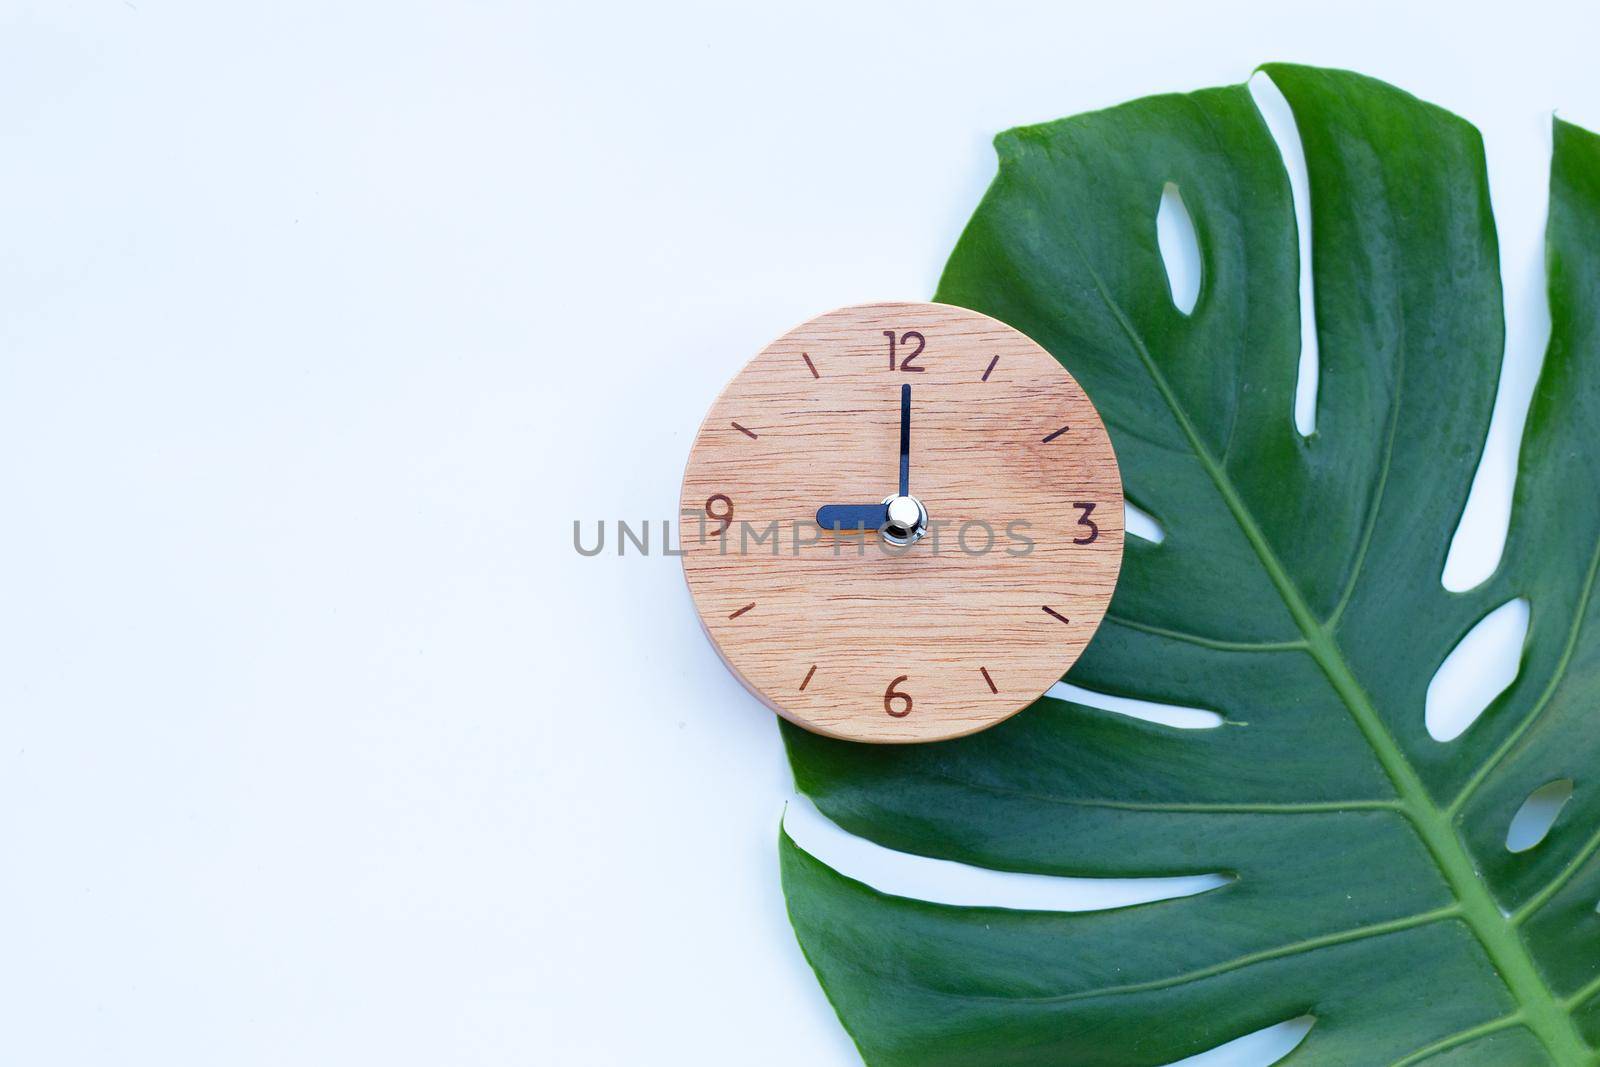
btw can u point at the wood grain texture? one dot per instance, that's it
(819, 625)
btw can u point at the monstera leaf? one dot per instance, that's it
(1297, 593)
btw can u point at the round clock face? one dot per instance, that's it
(901, 522)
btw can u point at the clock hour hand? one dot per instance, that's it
(852, 518)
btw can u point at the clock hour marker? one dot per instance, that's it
(807, 679)
(752, 436)
(1047, 440)
(1052, 612)
(985, 670)
(752, 604)
(990, 369)
(812, 367)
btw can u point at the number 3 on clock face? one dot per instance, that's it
(901, 522)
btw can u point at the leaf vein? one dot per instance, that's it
(1580, 613)
(1375, 498)
(1249, 959)
(1264, 808)
(1459, 1038)
(1215, 643)
(1553, 886)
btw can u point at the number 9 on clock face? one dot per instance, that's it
(901, 522)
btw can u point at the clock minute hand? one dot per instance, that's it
(905, 440)
(852, 518)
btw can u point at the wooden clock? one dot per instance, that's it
(901, 522)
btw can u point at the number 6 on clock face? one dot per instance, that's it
(910, 523)
(891, 695)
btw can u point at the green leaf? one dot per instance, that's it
(1297, 593)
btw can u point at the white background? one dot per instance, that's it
(320, 323)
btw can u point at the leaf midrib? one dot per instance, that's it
(1545, 1016)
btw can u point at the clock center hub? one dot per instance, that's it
(906, 520)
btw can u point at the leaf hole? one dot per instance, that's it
(1532, 822)
(1476, 671)
(1275, 111)
(1262, 1048)
(964, 885)
(1184, 718)
(1141, 524)
(1479, 539)
(1180, 248)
